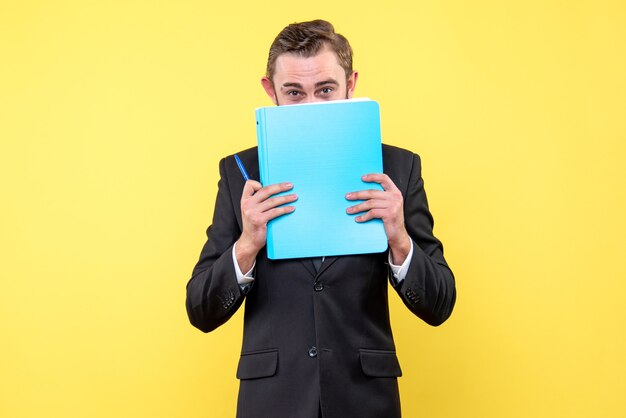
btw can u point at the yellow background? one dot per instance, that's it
(113, 117)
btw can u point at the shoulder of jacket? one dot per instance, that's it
(391, 151)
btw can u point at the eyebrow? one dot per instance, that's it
(296, 85)
(325, 82)
(318, 84)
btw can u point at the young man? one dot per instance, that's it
(317, 338)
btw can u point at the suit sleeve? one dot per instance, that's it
(428, 288)
(213, 294)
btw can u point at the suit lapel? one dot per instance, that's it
(327, 262)
(308, 265)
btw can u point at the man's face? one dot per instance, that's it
(306, 80)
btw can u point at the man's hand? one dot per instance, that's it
(258, 207)
(386, 204)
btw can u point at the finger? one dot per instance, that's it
(369, 215)
(276, 212)
(366, 195)
(382, 179)
(268, 191)
(273, 202)
(250, 188)
(365, 206)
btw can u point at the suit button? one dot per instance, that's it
(313, 352)
(412, 296)
(319, 286)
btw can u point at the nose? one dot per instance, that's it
(311, 99)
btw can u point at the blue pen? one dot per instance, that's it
(244, 173)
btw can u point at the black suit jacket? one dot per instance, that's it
(319, 339)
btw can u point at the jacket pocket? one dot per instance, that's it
(258, 364)
(380, 363)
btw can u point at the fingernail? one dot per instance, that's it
(287, 184)
(349, 195)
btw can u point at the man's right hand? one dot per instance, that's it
(258, 207)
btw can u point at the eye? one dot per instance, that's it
(326, 90)
(293, 93)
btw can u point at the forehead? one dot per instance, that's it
(294, 67)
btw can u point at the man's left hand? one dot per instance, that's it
(387, 205)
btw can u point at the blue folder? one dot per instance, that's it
(323, 149)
